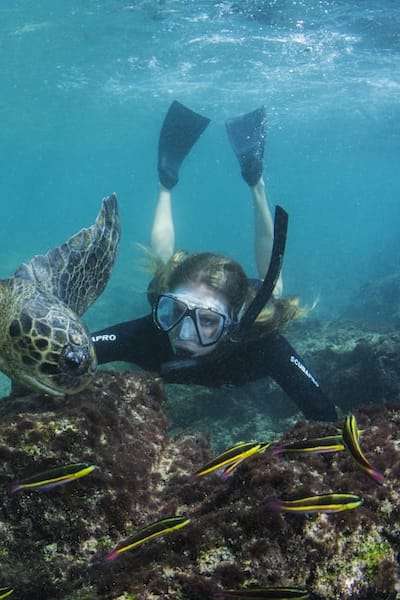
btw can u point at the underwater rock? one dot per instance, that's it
(377, 303)
(356, 365)
(54, 543)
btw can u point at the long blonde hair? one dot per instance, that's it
(227, 277)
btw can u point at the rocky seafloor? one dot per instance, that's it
(146, 447)
(356, 365)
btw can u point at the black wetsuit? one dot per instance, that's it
(142, 343)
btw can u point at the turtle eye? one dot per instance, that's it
(74, 358)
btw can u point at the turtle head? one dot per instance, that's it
(49, 348)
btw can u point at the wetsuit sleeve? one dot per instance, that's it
(138, 341)
(295, 378)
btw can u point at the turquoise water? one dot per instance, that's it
(85, 86)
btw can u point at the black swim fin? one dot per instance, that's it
(180, 130)
(246, 135)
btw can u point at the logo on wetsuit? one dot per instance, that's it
(104, 338)
(303, 369)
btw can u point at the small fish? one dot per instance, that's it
(232, 456)
(148, 533)
(329, 443)
(54, 477)
(329, 503)
(269, 593)
(351, 438)
(229, 469)
(5, 592)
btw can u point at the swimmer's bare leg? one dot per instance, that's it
(263, 232)
(162, 239)
(180, 130)
(247, 135)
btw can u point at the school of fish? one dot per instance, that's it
(225, 465)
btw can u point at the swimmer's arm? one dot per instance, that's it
(113, 343)
(289, 370)
(137, 341)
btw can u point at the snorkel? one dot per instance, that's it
(264, 293)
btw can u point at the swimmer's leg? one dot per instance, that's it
(263, 232)
(247, 137)
(179, 132)
(162, 239)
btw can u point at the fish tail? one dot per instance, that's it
(376, 475)
(274, 505)
(111, 556)
(226, 474)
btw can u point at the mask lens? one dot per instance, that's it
(168, 312)
(207, 325)
(210, 325)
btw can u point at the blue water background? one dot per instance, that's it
(85, 86)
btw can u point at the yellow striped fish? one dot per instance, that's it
(351, 439)
(329, 443)
(328, 503)
(148, 533)
(269, 593)
(232, 456)
(54, 477)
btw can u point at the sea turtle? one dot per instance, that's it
(43, 343)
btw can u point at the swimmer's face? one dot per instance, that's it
(199, 317)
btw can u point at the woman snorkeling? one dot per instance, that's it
(210, 325)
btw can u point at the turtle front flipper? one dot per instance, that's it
(77, 272)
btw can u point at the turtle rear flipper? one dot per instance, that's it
(77, 272)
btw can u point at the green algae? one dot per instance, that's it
(371, 554)
(356, 565)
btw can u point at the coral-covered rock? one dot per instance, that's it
(356, 365)
(54, 543)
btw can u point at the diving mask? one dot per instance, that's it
(203, 320)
